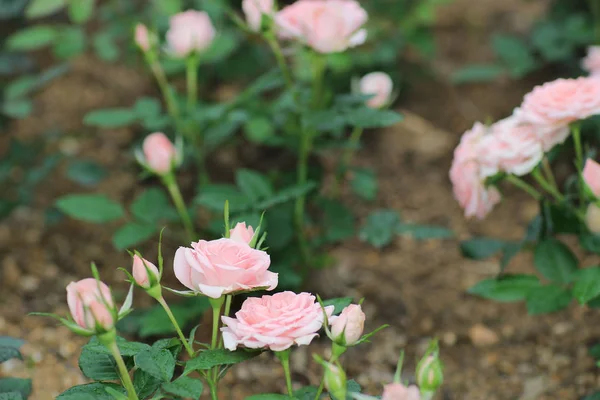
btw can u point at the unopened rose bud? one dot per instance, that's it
(142, 37)
(254, 11)
(158, 154)
(144, 272)
(335, 381)
(240, 233)
(378, 84)
(397, 391)
(592, 218)
(190, 31)
(591, 176)
(347, 328)
(91, 305)
(429, 373)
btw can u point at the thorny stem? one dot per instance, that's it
(184, 341)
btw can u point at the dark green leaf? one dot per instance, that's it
(366, 117)
(110, 118)
(184, 387)
(212, 358)
(159, 363)
(81, 10)
(380, 227)
(71, 42)
(515, 54)
(363, 182)
(587, 285)
(268, 396)
(555, 261)
(213, 197)
(7, 341)
(86, 172)
(90, 207)
(480, 248)
(17, 108)
(133, 233)
(424, 232)
(477, 73)
(594, 396)
(259, 129)
(127, 349)
(337, 221)
(22, 386)
(90, 391)
(20, 87)
(32, 38)
(11, 396)
(147, 107)
(253, 184)
(508, 288)
(153, 205)
(306, 393)
(287, 194)
(339, 304)
(105, 46)
(594, 351)
(97, 366)
(547, 299)
(172, 344)
(43, 8)
(590, 242)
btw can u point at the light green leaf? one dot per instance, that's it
(11, 396)
(214, 196)
(363, 182)
(366, 117)
(508, 288)
(110, 118)
(20, 87)
(43, 8)
(81, 10)
(133, 233)
(105, 47)
(587, 285)
(212, 358)
(259, 129)
(70, 43)
(32, 38)
(152, 206)
(95, 208)
(555, 261)
(17, 108)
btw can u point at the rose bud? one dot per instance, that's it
(592, 218)
(142, 37)
(190, 31)
(335, 381)
(347, 328)
(378, 84)
(429, 373)
(241, 233)
(591, 176)
(159, 155)
(591, 62)
(91, 305)
(397, 391)
(144, 273)
(254, 11)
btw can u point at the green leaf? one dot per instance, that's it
(508, 288)
(477, 74)
(110, 118)
(259, 129)
(17, 108)
(268, 396)
(22, 386)
(32, 38)
(338, 221)
(43, 8)
(380, 228)
(127, 349)
(339, 304)
(71, 42)
(222, 47)
(587, 285)
(90, 391)
(515, 54)
(81, 10)
(424, 232)
(212, 358)
(184, 387)
(147, 107)
(480, 248)
(95, 208)
(158, 363)
(9, 348)
(99, 367)
(253, 184)
(590, 242)
(306, 393)
(547, 299)
(11, 396)
(105, 46)
(86, 172)
(555, 261)
(363, 182)
(213, 197)
(133, 233)
(287, 194)
(167, 7)
(152, 206)
(20, 87)
(366, 117)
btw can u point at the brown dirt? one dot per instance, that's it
(491, 351)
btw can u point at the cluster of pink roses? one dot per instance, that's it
(517, 144)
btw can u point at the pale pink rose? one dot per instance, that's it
(591, 63)
(140, 269)
(223, 266)
(91, 304)
(592, 218)
(189, 31)
(349, 325)
(254, 10)
(510, 146)
(142, 37)
(397, 391)
(241, 233)
(160, 155)
(554, 105)
(378, 84)
(591, 176)
(328, 26)
(276, 322)
(467, 177)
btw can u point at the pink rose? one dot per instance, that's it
(378, 84)
(159, 154)
(276, 322)
(328, 26)
(223, 266)
(254, 10)
(592, 218)
(190, 31)
(467, 177)
(554, 105)
(510, 146)
(591, 176)
(591, 63)
(140, 269)
(397, 391)
(241, 233)
(91, 304)
(349, 325)
(142, 37)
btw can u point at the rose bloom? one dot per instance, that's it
(142, 37)
(591, 63)
(510, 146)
(276, 322)
(349, 324)
(140, 269)
(223, 266)
(468, 180)
(254, 10)
(554, 105)
(397, 391)
(189, 31)
(160, 155)
(241, 233)
(90, 303)
(591, 176)
(328, 26)
(378, 84)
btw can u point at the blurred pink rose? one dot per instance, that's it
(592, 218)
(328, 26)
(276, 322)
(241, 233)
(510, 146)
(349, 325)
(160, 155)
(223, 266)
(378, 84)
(141, 266)
(591, 63)
(254, 10)
(467, 177)
(91, 304)
(397, 391)
(190, 31)
(142, 37)
(591, 176)
(554, 105)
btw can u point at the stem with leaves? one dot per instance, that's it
(284, 357)
(182, 337)
(521, 184)
(109, 340)
(276, 49)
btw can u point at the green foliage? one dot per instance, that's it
(339, 304)
(364, 183)
(212, 358)
(555, 261)
(507, 288)
(380, 227)
(9, 348)
(90, 391)
(159, 363)
(184, 387)
(86, 172)
(43, 8)
(32, 38)
(110, 118)
(16, 385)
(95, 208)
(80, 11)
(547, 299)
(587, 285)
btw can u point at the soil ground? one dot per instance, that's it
(491, 351)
